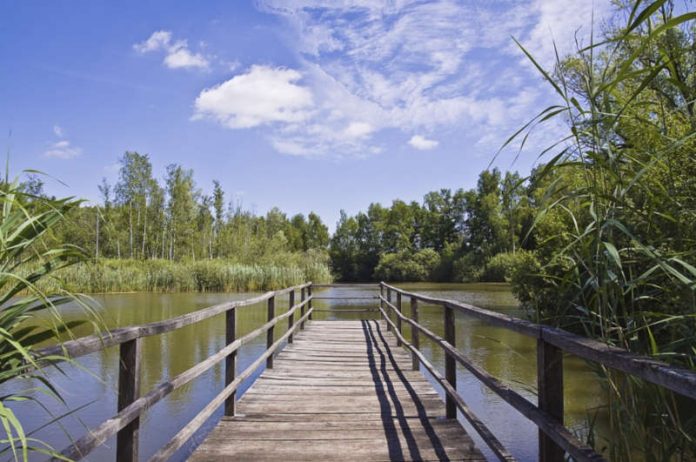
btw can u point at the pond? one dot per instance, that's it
(90, 389)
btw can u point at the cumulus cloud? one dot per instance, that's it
(177, 53)
(62, 150)
(263, 95)
(58, 131)
(422, 143)
(414, 66)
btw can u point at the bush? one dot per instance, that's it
(407, 266)
(502, 266)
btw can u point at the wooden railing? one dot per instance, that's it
(554, 438)
(131, 404)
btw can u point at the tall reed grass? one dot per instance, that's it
(187, 276)
(26, 265)
(623, 267)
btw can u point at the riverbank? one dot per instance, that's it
(114, 276)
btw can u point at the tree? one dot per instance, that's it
(181, 211)
(133, 190)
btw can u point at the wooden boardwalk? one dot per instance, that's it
(342, 391)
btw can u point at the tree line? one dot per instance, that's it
(141, 218)
(449, 236)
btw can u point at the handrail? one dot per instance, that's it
(677, 379)
(558, 432)
(126, 422)
(554, 437)
(94, 343)
(490, 439)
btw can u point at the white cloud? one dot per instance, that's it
(62, 150)
(422, 143)
(263, 95)
(183, 58)
(369, 65)
(358, 130)
(159, 40)
(58, 131)
(177, 53)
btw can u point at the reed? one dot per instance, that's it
(26, 265)
(187, 276)
(623, 267)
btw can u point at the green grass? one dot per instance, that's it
(187, 276)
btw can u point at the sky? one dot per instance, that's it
(300, 104)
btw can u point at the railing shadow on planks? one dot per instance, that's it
(555, 440)
(131, 404)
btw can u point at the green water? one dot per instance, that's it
(509, 356)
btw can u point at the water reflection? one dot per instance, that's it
(509, 356)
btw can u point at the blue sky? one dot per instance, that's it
(304, 105)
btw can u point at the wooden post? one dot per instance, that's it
(128, 391)
(398, 319)
(388, 308)
(381, 302)
(291, 319)
(450, 364)
(231, 360)
(415, 337)
(550, 389)
(302, 310)
(269, 333)
(309, 304)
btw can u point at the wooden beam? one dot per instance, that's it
(302, 312)
(550, 389)
(398, 318)
(270, 332)
(291, 319)
(231, 360)
(415, 336)
(388, 310)
(128, 391)
(450, 363)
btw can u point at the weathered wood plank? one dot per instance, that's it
(341, 391)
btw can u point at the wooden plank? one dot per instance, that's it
(365, 402)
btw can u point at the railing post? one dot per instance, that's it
(550, 396)
(398, 319)
(388, 308)
(309, 304)
(381, 302)
(270, 332)
(291, 319)
(415, 337)
(128, 391)
(231, 360)
(302, 310)
(450, 364)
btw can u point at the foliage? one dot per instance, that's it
(216, 275)
(407, 266)
(616, 221)
(460, 226)
(141, 220)
(26, 263)
(501, 267)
